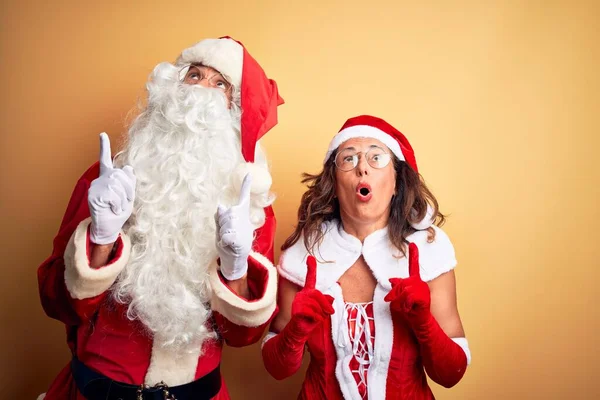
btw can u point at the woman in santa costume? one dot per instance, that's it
(366, 279)
(165, 252)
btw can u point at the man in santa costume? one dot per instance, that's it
(165, 252)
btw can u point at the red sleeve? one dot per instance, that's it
(70, 289)
(54, 296)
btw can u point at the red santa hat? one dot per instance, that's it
(367, 126)
(259, 96)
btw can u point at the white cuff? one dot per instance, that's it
(268, 336)
(236, 309)
(464, 344)
(81, 279)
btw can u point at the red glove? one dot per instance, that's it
(444, 360)
(282, 354)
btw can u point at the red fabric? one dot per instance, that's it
(383, 126)
(444, 360)
(99, 332)
(260, 99)
(406, 377)
(282, 354)
(54, 296)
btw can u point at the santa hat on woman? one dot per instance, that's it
(259, 96)
(366, 126)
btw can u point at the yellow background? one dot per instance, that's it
(499, 99)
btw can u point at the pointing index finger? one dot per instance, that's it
(413, 261)
(105, 154)
(311, 273)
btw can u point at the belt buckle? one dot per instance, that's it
(160, 385)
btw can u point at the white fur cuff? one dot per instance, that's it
(464, 344)
(83, 281)
(250, 313)
(268, 336)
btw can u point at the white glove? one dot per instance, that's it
(110, 197)
(235, 234)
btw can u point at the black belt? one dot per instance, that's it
(95, 386)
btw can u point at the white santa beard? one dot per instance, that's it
(183, 150)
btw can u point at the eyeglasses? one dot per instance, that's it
(194, 74)
(347, 160)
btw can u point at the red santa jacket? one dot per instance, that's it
(98, 330)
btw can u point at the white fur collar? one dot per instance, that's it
(340, 250)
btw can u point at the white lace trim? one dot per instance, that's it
(362, 350)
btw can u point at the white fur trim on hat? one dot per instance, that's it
(366, 132)
(224, 55)
(427, 220)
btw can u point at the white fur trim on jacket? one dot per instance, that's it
(171, 367)
(238, 310)
(224, 55)
(83, 281)
(340, 250)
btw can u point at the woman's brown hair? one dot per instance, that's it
(319, 204)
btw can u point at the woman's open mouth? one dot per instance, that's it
(364, 192)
